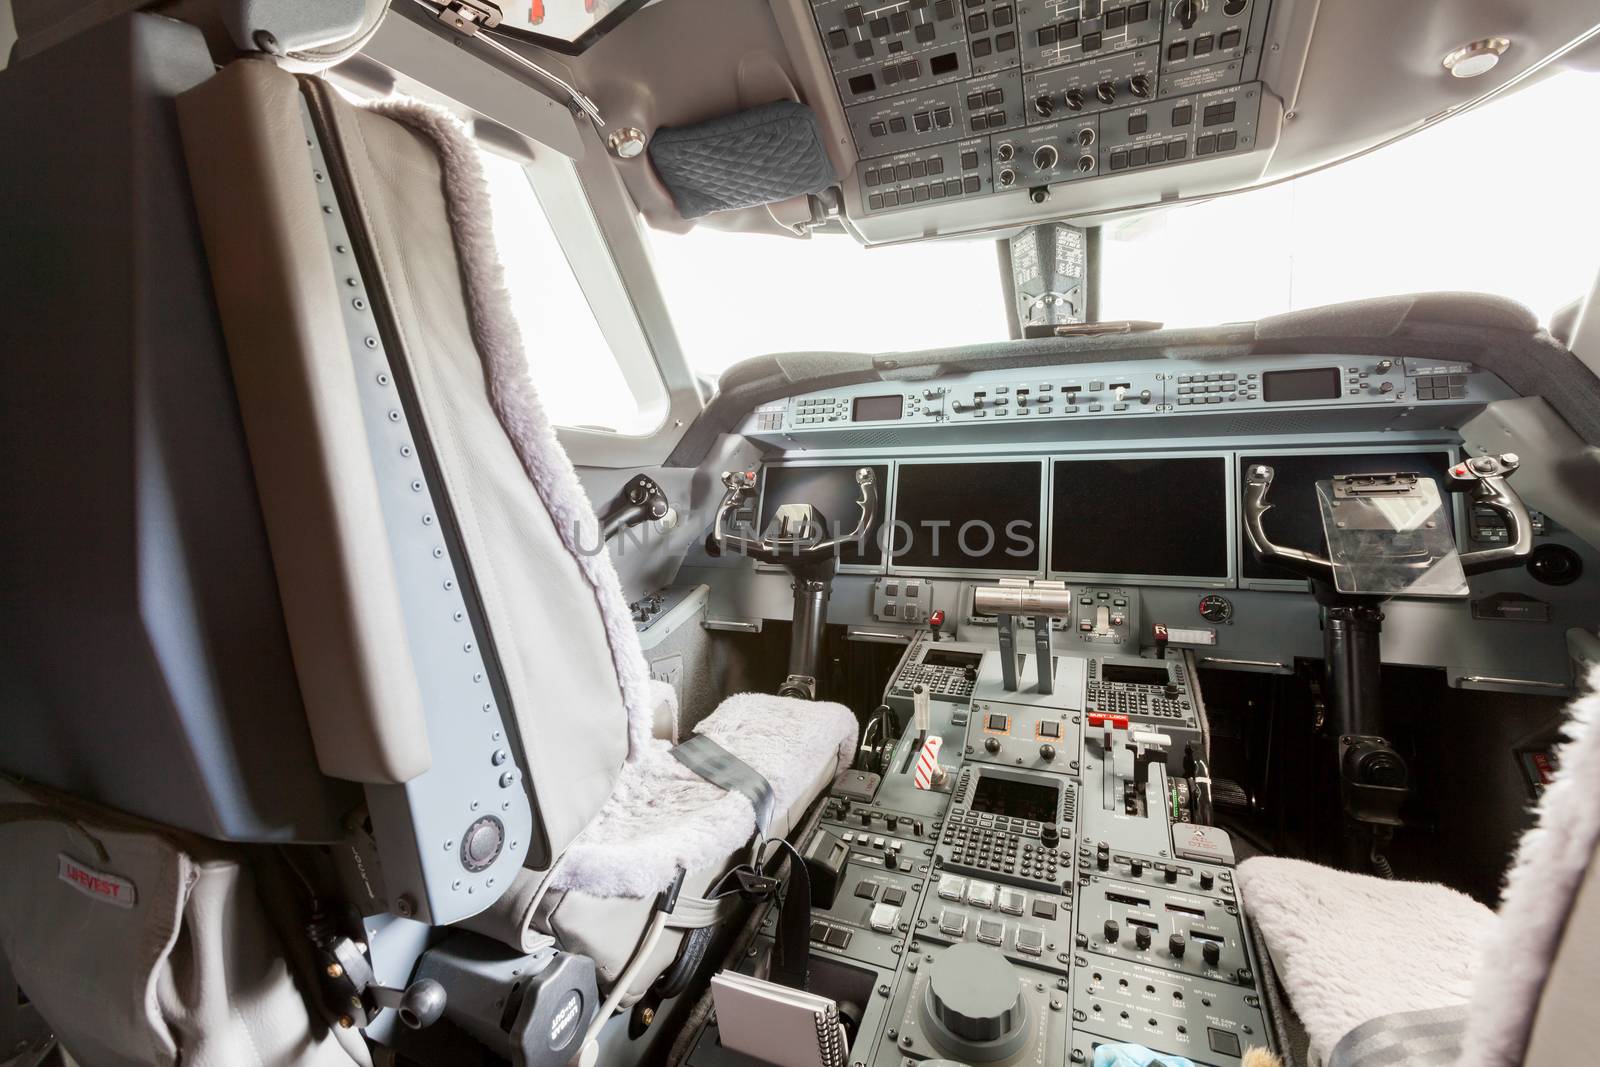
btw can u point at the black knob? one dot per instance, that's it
(970, 674)
(1074, 99)
(991, 745)
(1007, 178)
(1112, 932)
(916, 827)
(1233, 7)
(973, 996)
(889, 862)
(1172, 876)
(1187, 12)
(1050, 837)
(1169, 691)
(1106, 92)
(1212, 952)
(1207, 879)
(1085, 164)
(1141, 937)
(1175, 946)
(1102, 858)
(890, 822)
(1045, 105)
(1046, 157)
(1005, 152)
(1136, 867)
(1047, 752)
(865, 817)
(1140, 84)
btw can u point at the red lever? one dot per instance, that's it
(1101, 718)
(936, 620)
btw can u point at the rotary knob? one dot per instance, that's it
(1176, 946)
(1008, 178)
(481, 844)
(991, 745)
(1005, 152)
(1111, 932)
(1045, 105)
(1047, 752)
(1212, 952)
(1046, 157)
(1140, 84)
(975, 1004)
(1141, 937)
(1074, 99)
(1207, 879)
(1106, 92)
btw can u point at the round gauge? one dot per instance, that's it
(1216, 608)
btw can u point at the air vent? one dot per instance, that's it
(1273, 422)
(866, 439)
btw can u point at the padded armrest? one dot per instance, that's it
(261, 215)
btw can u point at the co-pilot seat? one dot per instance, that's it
(462, 650)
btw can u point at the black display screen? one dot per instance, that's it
(1130, 675)
(937, 657)
(876, 408)
(832, 491)
(1016, 800)
(1166, 517)
(1320, 383)
(968, 516)
(1295, 520)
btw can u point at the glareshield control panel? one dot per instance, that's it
(1145, 389)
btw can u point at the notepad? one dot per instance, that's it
(777, 1025)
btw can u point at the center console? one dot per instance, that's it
(1048, 893)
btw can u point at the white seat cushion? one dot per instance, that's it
(1349, 947)
(662, 816)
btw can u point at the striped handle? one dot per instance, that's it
(927, 767)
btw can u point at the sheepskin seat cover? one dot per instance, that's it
(662, 816)
(1350, 947)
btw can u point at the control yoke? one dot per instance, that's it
(1373, 778)
(800, 534)
(799, 543)
(1485, 477)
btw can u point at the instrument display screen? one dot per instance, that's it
(833, 491)
(876, 408)
(1319, 383)
(969, 516)
(936, 657)
(1127, 674)
(1038, 801)
(1159, 516)
(1295, 520)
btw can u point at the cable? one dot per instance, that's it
(1381, 836)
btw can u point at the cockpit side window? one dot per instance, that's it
(586, 353)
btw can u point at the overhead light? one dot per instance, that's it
(626, 142)
(1476, 57)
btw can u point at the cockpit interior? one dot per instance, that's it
(799, 533)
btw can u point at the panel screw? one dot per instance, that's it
(335, 971)
(404, 906)
(345, 1022)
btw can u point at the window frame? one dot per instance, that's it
(603, 240)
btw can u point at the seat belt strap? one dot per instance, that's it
(1426, 1037)
(722, 768)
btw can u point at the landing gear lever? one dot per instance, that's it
(1372, 775)
(799, 543)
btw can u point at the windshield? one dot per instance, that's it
(1498, 200)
